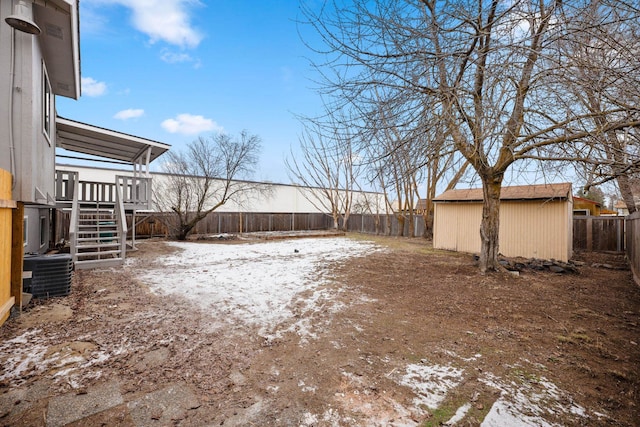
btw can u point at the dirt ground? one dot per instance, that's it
(408, 305)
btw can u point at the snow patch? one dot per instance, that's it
(526, 404)
(261, 284)
(431, 382)
(459, 415)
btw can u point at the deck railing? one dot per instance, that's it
(73, 226)
(121, 221)
(135, 191)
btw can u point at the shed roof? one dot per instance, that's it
(516, 192)
(586, 201)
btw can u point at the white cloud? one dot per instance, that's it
(172, 57)
(130, 113)
(188, 124)
(91, 87)
(166, 20)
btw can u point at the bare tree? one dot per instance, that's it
(605, 74)
(327, 168)
(481, 66)
(204, 177)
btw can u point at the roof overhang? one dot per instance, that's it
(545, 192)
(60, 44)
(96, 141)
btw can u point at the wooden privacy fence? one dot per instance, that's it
(633, 244)
(599, 233)
(384, 224)
(7, 300)
(155, 224)
(243, 222)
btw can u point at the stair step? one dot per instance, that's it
(96, 238)
(104, 223)
(93, 227)
(98, 263)
(97, 254)
(98, 245)
(93, 218)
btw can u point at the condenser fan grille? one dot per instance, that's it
(50, 275)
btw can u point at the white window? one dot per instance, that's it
(47, 105)
(43, 231)
(24, 231)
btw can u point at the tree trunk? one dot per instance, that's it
(336, 222)
(183, 232)
(428, 222)
(345, 219)
(490, 225)
(401, 220)
(627, 194)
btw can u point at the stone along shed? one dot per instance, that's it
(535, 221)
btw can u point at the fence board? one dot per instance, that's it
(598, 233)
(7, 299)
(632, 224)
(157, 224)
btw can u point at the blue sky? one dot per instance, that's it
(173, 70)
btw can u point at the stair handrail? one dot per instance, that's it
(121, 220)
(74, 223)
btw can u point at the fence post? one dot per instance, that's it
(17, 253)
(620, 239)
(589, 227)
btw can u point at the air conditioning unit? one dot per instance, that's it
(47, 276)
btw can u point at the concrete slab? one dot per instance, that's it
(248, 416)
(113, 417)
(163, 407)
(72, 407)
(20, 399)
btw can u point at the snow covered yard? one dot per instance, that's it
(259, 284)
(322, 332)
(265, 284)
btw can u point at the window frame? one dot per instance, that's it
(25, 232)
(43, 227)
(47, 105)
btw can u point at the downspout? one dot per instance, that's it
(12, 72)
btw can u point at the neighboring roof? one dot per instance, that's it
(96, 141)
(620, 204)
(518, 192)
(586, 201)
(60, 41)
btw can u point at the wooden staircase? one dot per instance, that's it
(98, 221)
(99, 242)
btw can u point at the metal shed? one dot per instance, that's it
(535, 221)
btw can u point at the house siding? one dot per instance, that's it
(34, 155)
(530, 229)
